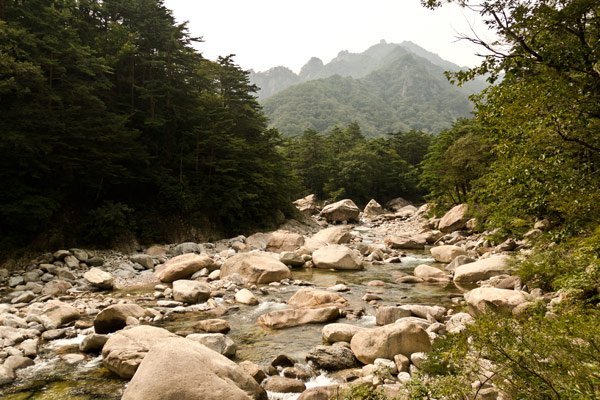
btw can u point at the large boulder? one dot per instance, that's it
(309, 297)
(184, 370)
(125, 350)
(333, 333)
(373, 209)
(454, 219)
(481, 269)
(402, 337)
(284, 241)
(446, 253)
(288, 318)
(396, 204)
(481, 299)
(114, 318)
(56, 314)
(98, 278)
(307, 204)
(343, 210)
(191, 292)
(333, 235)
(255, 268)
(332, 358)
(415, 242)
(184, 266)
(389, 314)
(337, 257)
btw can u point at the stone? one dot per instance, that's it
(257, 241)
(284, 241)
(281, 319)
(184, 266)
(458, 322)
(256, 267)
(93, 343)
(6, 375)
(187, 248)
(480, 299)
(73, 359)
(310, 297)
(455, 219)
(336, 332)
(244, 296)
(343, 210)
(383, 364)
(15, 363)
(402, 337)
(214, 325)
(402, 362)
(429, 273)
(422, 311)
(280, 384)
(337, 257)
(333, 235)
(458, 261)
(373, 209)
(216, 342)
(389, 314)
(254, 370)
(98, 278)
(184, 370)
(143, 259)
(320, 393)
(481, 269)
(114, 318)
(446, 253)
(16, 281)
(291, 259)
(95, 262)
(125, 350)
(190, 292)
(307, 204)
(416, 242)
(406, 212)
(331, 358)
(409, 279)
(71, 262)
(29, 347)
(80, 254)
(397, 204)
(56, 314)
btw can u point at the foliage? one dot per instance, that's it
(361, 392)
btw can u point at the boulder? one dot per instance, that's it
(288, 318)
(143, 259)
(458, 261)
(244, 296)
(333, 333)
(416, 242)
(125, 350)
(284, 241)
(184, 370)
(281, 384)
(258, 241)
(373, 209)
(320, 393)
(389, 314)
(333, 235)
(332, 358)
(291, 259)
(307, 204)
(255, 267)
(454, 219)
(56, 287)
(114, 318)
(429, 273)
(216, 342)
(458, 322)
(98, 278)
(337, 257)
(184, 266)
(480, 299)
(446, 253)
(191, 292)
(213, 326)
(93, 343)
(186, 248)
(422, 311)
(309, 297)
(481, 269)
(56, 314)
(254, 370)
(402, 337)
(396, 204)
(343, 210)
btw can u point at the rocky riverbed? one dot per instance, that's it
(345, 297)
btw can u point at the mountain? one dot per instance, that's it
(388, 87)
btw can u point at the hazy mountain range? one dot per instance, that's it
(386, 88)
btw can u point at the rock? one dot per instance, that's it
(187, 248)
(15, 281)
(254, 370)
(455, 219)
(284, 241)
(309, 297)
(418, 359)
(396, 204)
(255, 268)
(184, 370)
(71, 262)
(258, 241)
(15, 363)
(114, 318)
(337, 257)
(124, 351)
(543, 225)
(429, 273)
(244, 296)
(307, 204)
(213, 326)
(93, 343)
(333, 333)
(143, 259)
(333, 235)
(332, 358)
(56, 288)
(72, 359)
(406, 212)
(98, 278)
(486, 297)
(402, 362)
(320, 393)
(446, 253)
(190, 292)
(481, 269)
(6, 375)
(402, 337)
(458, 322)
(280, 384)
(436, 312)
(80, 254)
(343, 210)
(56, 314)
(283, 361)
(373, 209)
(291, 259)
(54, 334)
(402, 242)
(24, 297)
(409, 279)
(293, 317)
(458, 261)
(383, 364)
(184, 266)
(95, 262)
(29, 347)
(389, 314)
(216, 342)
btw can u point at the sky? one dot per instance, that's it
(268, 33)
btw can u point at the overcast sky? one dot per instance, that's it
(268, 33)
